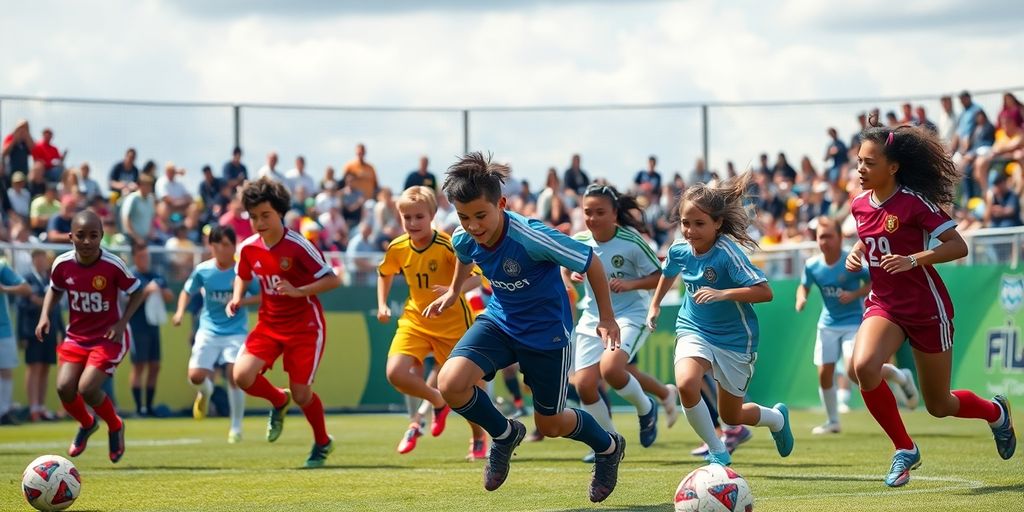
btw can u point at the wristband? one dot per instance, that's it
(913, 261)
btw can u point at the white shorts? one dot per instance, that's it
(834, 343)
(210, 351)
(732, 370)
(9, 353)
(590, 348)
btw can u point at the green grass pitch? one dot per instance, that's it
(182, 464)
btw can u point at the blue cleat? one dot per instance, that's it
(1006, 439)
(722, 459)
(902, 463)
(649, 425)
(784, 437)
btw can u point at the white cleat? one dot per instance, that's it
(827, 428)
(910, 389)
(671, 405)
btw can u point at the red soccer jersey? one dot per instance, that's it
(92, 293)
(904, 224)
(292, 259)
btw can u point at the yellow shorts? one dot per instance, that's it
(418, 344)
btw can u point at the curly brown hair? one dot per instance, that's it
(924, 166)
(269, 191)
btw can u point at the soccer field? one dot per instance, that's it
(182, 464)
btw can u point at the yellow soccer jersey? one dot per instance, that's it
(423, 270)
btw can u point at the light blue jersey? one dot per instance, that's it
(727, 324)
(530, 302)
(217, 286)
(8, 277)
(832, 280)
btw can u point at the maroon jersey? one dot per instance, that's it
(292, 259)
(92, 293)
(904, 224)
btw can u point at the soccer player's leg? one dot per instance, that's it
(409, 348)
(827, 350)
(236, 395)
(205, 353)
(693, 358)
(73, 360)
(96, 372)
(668, 394)
(301, 358)
(256, 357)
(613, 370)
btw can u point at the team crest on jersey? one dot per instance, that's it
(710, 275)
(511, 267)
(286, 263)
(892, 223)
(432, 265)
(99, 282)
(618, 261)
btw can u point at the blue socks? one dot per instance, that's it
(481, 411)
(590, 433)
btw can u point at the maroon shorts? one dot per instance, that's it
(932, 336)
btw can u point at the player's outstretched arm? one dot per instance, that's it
(607, 328)
(43, 326)
(183, 299)
(383, 290)
(664, 284)
(237, 292)
(953, 247)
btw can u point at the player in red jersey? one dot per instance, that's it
(291, 272)
(96, 340)
(906, 176)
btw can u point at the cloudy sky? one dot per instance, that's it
(457, 54)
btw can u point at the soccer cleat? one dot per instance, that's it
(700, 451)
(909, 389)
(200, 406)
(116, 443)
(477, 449)
(82, 438)
(902, 462)
(589, 458)
(671, 405)
(898, 393)
(408, 442)
(783, 438)
(649, 425)
(722, 459)
(440, 420)
(733, 437)
(318, 455)
(844, 408)
(234, 437)
(827, 428)
(275, 424)
(606, 470)
(499, 456)
(1006, 439)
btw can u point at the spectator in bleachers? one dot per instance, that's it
(782, 170)
(891, 120)
(672, 191)
(236, 217)
(386, 224)
(124, 176)
(335, 231)
(813, 203)
(648, 180)
(269, 170)
(352, 202)
(552, 188)
(51, 157)
(700, 173)
(22, 239)
(421, 176)
(138, 211)
(1008, 147)
(39, 356)
(234, 171)
(807, 175)
(654, 213)
(209, 188)
(327, 198)
(836, 155)
(58, 228)
(575, 178)
(330, 180)
(1002, 204)
(145, 345)
(1011, 110)
(301, 201)
(947, 123)
(181, 248)
(767, 199)
(966, 123)
(88, 186)
(220, 203)
(445, 219)
(171, 192)
(763, 168)
(112, 237)
(364, 176)
(18, 195)
(921, 119)
(980, 145)
(42, 208)
(361, 255)
(297, 176)
(908, 118)
(524, 202)
(17, 148)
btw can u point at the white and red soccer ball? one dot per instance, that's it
(51, 482)
(713, 488)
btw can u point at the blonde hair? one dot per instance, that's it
(418, 194)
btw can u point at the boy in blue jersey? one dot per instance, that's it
(842, 293)
(529, 321)
(716, 329)
(219, 336)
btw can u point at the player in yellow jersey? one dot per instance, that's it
(427, 260)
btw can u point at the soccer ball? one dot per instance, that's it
(714, 488)
(51, 482)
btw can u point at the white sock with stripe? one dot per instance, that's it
(828, 399)
(633, 392)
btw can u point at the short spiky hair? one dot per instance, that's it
(475, 176)
(269, 191)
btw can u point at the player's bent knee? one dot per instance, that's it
(302, 396)
(67, 391)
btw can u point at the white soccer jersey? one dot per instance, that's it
(625, 256)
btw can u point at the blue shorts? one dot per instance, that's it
(545, 371)
(145, 347)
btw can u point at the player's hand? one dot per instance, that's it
(576, 277)
(232, 307)
(652, 317)
(894, 263)
(853, 261)
(608, 330)
(439, 289)
(116, 333)
(286, 288)
(846, 297)
(800, 303)
(619, 285)
(384, 314)
(42, 328)
(176, 319)
(440, 304)
(708, 295)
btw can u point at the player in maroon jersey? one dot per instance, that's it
(907, 177)
(96, 339)
(291, 272)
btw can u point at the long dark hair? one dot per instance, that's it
(724, 202)
(622, 203)
(924, 166)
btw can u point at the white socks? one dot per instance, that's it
(6, 395)
(205, 388)
(892, 374)
(411, 404)
(236, 402)
(633, 392)
(771, 418)
(599, 410)
(700, 419)
(829, 400)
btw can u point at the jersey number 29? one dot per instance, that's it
(879, 245)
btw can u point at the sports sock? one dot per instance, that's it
(481, 411)
(314, 412)
(843, 395)
(236, 402)
(6, 392)
(574, 396)
(150, 392)
(771, 418)
(512, 383)
(106, 411)
(893, 374)
(262, 388)
(633, 392)
(137, 397)
(76, 408)
(699, 418)
(973, 406)
(424, 409)
(411, 404)
(204, 388)
(587, 431)
(882, 404)
(828, 399)
(600, 413)
(709, 404)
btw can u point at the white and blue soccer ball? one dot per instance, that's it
(714, 488)
(51, 482)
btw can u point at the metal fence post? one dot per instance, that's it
(704, 133)
(465, 131)
(237, 111)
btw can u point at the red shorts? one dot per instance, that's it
(301, 351)
(103, 354)
(928, 336)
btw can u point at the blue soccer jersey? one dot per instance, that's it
(530, 302)
(832, 280)
(217, 286)
(8, 277)
(727, 324)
